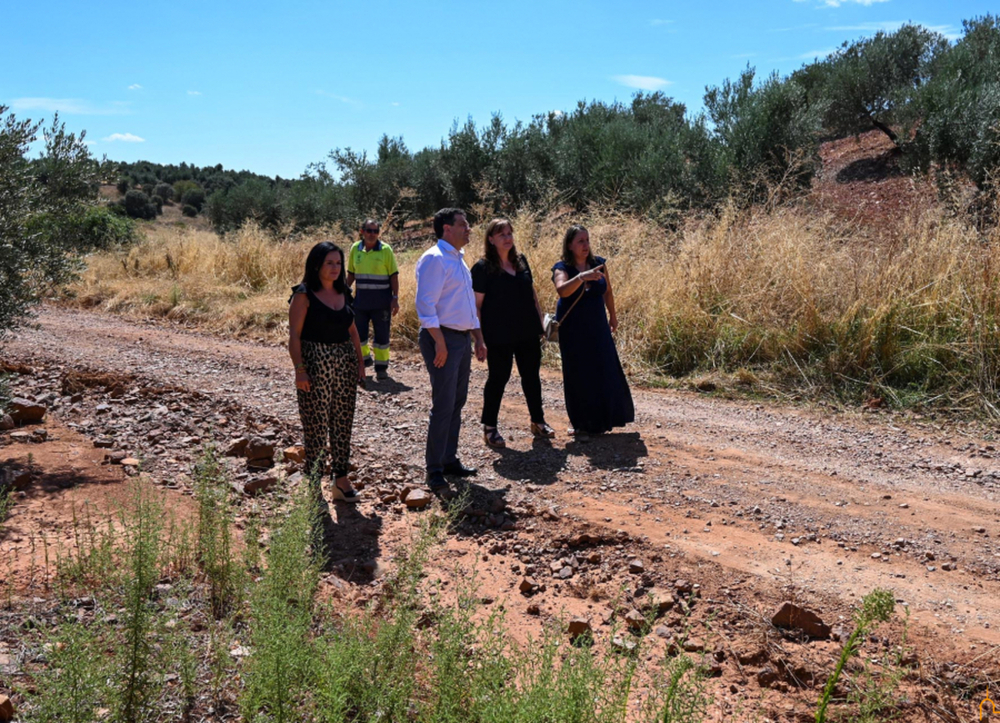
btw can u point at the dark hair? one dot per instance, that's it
(317, 255)
(571, 234)
(446, 216)
(490, 253)
(368, 222)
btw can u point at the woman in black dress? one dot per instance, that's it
(326, 351)
(511, 319)
(597, 394)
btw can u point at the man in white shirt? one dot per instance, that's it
(446, 308)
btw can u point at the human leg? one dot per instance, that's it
(381, 322)
(460, 349)
(361, 319)
(529, 363)
(499, 362)
(314, 407)
(443, 382)
(342, 402)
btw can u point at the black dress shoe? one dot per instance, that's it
(436, 481)
(457, 469)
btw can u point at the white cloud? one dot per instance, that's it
(888, 26)
(658, 22)
(794, 28)
(744, 55)
(557, 113)
(125, 138)
(643, 82)
(838, 3)
(342, 98)
(817, 54)
(135, 86)
(194, 92)
(394, 104)
(69, 106)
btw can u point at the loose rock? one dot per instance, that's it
(417, 499)
(792, 617)
(24, 411)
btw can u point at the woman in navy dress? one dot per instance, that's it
(597, 394)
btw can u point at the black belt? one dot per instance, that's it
(465, 332)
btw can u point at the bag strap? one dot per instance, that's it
(575, 302)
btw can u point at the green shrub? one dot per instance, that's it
(182, 187)
(194, 197)
(138, 205)
(122, 185)
(189, 211)
(164, 191)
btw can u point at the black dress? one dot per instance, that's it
(597, 394)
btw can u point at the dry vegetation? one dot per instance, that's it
(782, 297)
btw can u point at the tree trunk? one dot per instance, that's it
(885, 129)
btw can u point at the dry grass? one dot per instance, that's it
(785, 295)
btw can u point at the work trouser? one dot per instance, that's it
(380, 320)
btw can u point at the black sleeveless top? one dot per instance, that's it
(323, 324)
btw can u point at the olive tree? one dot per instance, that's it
(58, 185)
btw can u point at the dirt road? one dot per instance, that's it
(753, 503)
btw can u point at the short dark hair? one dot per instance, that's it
(571, 233)
(445, 217)
(369, 222)
(317, 255)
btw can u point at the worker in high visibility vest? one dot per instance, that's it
(373, 265)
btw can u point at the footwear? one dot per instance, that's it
(542, 430)
(368, 361)
(340, 495)
(436, 482)
(493, 438)
(579, 435)
(382, 374)
(457, 469)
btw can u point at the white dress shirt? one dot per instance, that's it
(444, 289)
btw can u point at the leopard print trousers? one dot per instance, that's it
(327, 409)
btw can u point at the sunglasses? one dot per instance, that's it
(370, 230)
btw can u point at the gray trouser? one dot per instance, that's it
(449, 390)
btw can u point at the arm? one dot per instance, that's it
(430, 276)
(479, 306)
(350, 266)
(350, 278)
(609, 301)
(538, 307)
(477, 334)
(296, 320)
(353, 331)
(394, 285)
(566, 286)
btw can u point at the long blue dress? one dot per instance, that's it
(596, 390)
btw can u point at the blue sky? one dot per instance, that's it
(271, 87)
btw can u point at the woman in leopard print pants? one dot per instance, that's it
(326, 350)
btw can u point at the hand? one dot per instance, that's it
(593, 274)
(394, 306)
(361, 374)
(440, 354)
(613, 322)
(480, 351)
(302, 380)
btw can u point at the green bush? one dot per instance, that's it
(138, 205)
(194, 197)
(956, 113)
(189, 211)
(182, 187)
(769, 133)
(92, 228)
(58, 185)
(164, 191)
(122, 185)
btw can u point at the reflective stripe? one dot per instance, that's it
(381, 355)
(374, 287)
(381, 346)
(373, 277)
